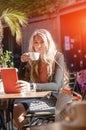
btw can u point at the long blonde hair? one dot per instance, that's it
(49, 55)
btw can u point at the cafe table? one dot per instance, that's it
(31, 94)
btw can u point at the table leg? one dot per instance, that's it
(2, 120)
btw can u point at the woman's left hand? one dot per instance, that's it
(23, 86)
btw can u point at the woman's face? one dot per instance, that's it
(38, 44)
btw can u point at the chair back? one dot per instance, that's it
(72, 79)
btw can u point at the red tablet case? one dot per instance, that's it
(9, 78)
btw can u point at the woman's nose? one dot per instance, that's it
(39, 45)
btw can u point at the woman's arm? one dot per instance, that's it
(58, 80)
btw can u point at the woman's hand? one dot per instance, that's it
(25, 57)
(23, 86)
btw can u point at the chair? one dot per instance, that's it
(78, 122)
(41, 114)
(58, 113)
(72, 79)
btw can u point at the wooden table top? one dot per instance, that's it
(25, 95)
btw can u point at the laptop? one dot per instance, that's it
(9, 78)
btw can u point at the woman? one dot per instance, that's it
(46, 73)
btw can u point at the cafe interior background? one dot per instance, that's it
(68, 29)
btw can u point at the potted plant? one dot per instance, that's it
(14, 20)
(6, 59)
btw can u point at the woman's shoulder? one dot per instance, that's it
(58, 55)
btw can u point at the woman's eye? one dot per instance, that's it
(37, 43)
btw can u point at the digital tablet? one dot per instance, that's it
(9, 78)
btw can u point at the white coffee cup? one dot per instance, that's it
(34, 55)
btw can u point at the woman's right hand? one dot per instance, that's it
(23, 86)
(25, 57)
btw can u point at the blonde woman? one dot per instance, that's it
(46, 73)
